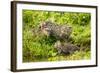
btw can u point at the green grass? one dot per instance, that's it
(76, 56)
(37, 47)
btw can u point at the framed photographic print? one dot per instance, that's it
(47, 36)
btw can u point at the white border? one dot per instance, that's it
(34, 65)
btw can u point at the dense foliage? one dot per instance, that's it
(37, 47)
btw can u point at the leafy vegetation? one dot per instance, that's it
(37, 47)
